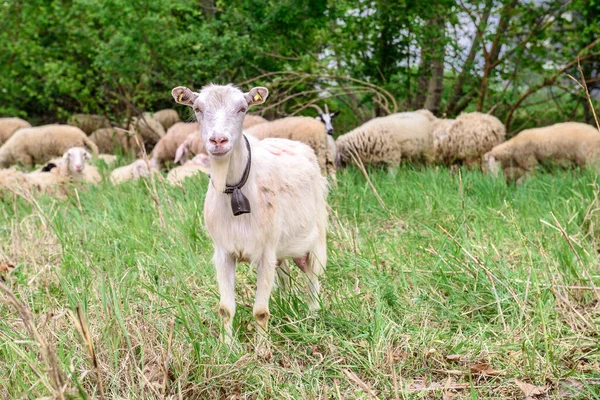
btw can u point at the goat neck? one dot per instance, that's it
(238, 162)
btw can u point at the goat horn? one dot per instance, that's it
(316, 107)
(326, 109)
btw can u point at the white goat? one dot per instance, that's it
(278, 199)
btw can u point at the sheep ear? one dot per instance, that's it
(183, 95)
(256, 95)
(87, 155)
(66, 154)
(180, 153)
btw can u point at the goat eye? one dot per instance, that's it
(242, 110)
(196, 109)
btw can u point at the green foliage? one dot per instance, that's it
(118, 57)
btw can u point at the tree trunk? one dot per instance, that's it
(436, 81)
(492, 57)
(457, 96)
(423, 81)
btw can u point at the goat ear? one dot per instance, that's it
(256, 95)
(318, 118)
(181, 153)
(334, 114)
(183, 95)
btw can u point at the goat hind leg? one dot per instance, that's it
(317, 259)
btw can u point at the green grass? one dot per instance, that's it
(461, 285)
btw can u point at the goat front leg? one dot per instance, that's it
(264, 285)
(225, 266)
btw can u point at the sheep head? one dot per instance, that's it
(220, 110)
(326, 117)
(75, 158)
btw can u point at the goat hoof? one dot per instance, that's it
(262, 317)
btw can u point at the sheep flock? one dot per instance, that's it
(267, 198)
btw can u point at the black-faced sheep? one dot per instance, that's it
(37, 145)
(266, 200)
(561, 144)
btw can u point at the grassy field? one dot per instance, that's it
(458, 286)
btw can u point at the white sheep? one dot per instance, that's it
(148, 128)
(112, 140)
(70, 168)
(88, 122)
(37, 145)
(303, 129)
(167, 147)
(277, 208)
(562, 143)
(388, 140)
(8, 126)
(134, 171)
(252, 120)
(108, 159)
(167, 117)
(200, 163)
(466, 139)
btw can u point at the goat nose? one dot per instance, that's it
(218, 140)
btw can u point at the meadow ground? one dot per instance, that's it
(460, 287)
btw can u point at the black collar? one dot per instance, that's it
(239, 203)
(230, 188)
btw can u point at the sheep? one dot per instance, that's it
(112, 140)
(108, 159)
(388, 140)
(467, 138)
(31, 146)
(88, 122)
(192, 144)
(8, 126)
(134, 171)
(563, 143)
(303, 129)
(70, 168)
(167, 146)
(167, 117)
(277, 208)
(13, 180)
(199, 163)
(252, 120)
(149, 129)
